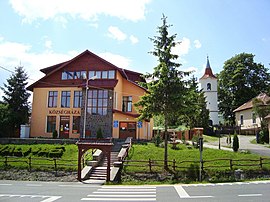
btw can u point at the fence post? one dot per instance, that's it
(261, 162)
(231, 164)
(174, 162)
(150, 166)
(30, 163)
(55, 166)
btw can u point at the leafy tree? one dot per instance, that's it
(4, 121)
(262, 109)
(16, 98)
(196, 114)
(240, 80)
(166, 90)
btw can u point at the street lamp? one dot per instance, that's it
(85, 102)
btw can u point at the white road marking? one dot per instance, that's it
(129, 187)
(247, 195)
(5, 184)
(121, 196)
(183, 194)
(122, 192)
(34, 185)
(49, 198)
(79, 186)
(127, 190)
(118, 199)
(52, 198)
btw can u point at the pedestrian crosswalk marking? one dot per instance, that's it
(123, 193)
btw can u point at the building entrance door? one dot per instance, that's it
(64, 127)
(127, 129)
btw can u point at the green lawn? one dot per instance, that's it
(150, 151)
(41, 156)
(207, 138)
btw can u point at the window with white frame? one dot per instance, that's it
(52, 99)
(65, 99)
(127, 104)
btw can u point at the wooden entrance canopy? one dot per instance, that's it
(105, 147)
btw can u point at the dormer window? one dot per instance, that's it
(208, 86)
(68, 75)
(102, 74)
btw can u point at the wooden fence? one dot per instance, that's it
(30, 162)
(205, 164)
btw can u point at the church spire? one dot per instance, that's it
(208, 71)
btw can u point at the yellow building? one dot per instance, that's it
(59, 100)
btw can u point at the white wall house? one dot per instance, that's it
(208, 84)
(246, 118)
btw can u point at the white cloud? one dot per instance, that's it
(48, 44)
(116, 33)
(117, 60)
(197, 43)
(133, 39)
(32, 10)
(182, 47)
(13, 54)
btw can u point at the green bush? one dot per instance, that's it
(157, 140)
(27, 151)
(18, 152)
(61, 147)
(43, 152)
(192, 173)
(235, 143)
(54, 134)
(55, 153)
(99, 134)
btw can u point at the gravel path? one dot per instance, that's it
(24, 175)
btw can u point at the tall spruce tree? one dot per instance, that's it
(16, 98)
(166, 89)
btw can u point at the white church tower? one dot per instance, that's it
(209, 86)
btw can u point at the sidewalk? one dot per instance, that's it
(244, 144)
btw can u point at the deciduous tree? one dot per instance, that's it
(240, 80)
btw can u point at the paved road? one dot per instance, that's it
(20, 191)
(244, 144)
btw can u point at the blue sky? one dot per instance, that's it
(39, 33)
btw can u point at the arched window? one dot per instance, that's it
(208, 86)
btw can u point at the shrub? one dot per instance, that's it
(99, 134)
(195, 141)
(61, 147)
(55, 153)
(157, 140)
(193, 172)
(18, 152)
(35, 151)
(26, 151)
(43, 152)
(54, 134)
(235, 143)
